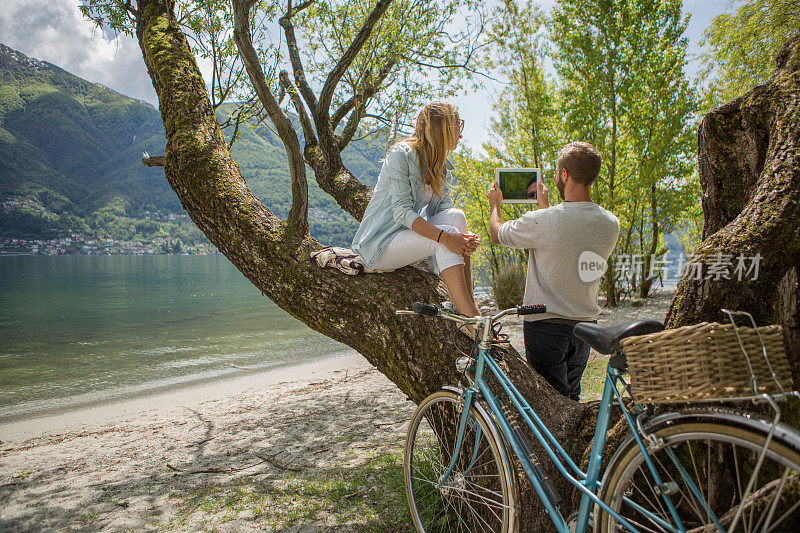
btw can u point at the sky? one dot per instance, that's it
(55, 31)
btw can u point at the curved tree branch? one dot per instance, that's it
(242, 36)
(331, 175)
(305, 122)
(360, 100)
(353, 121)
(349, 56)
(294, 55)
(370, 90)
(343, 110)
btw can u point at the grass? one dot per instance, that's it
(508, 285)
(369, 497)
(89, 517)
(594, 377)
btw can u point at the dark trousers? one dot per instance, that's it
(556, 354)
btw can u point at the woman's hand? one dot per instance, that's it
(455, 242)
(460, 243)
(474, 242)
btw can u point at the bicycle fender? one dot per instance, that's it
(744, 419)
(726, 415)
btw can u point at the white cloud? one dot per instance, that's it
(55, 31)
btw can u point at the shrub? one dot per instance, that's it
(508, 285)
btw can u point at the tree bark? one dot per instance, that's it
(749, 163)
(789, 291)
(417, 354)
(647, 260)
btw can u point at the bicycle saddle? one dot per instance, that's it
(605, 339)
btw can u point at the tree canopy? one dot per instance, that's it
(619, 84)
(743, 44)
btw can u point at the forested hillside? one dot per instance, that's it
(70, 153)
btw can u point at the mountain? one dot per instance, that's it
(70, 153)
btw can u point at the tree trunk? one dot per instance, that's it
(789, 291)
(416, 353)
(749, 159)
(647, 263)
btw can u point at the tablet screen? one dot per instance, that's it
(518, 184)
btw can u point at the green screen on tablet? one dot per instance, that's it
(518, 184)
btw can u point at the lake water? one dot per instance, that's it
(77, 329)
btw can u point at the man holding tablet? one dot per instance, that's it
(566, 243)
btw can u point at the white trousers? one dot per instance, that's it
(408, 246)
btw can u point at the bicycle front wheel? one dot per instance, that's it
(720, 458)
(480, 494)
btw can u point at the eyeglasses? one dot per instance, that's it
(461, 125)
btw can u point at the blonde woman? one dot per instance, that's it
(411, 215)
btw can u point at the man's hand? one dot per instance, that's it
(495, 195)
(543, 195)
(495, 199)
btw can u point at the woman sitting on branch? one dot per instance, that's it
(411, 215)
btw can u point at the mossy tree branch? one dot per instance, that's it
(417, 354)
(322, 154)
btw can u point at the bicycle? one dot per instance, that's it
(665, 475)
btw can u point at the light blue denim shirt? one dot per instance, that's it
(396, 203)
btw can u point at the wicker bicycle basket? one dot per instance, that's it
(705, 362)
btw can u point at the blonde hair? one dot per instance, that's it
(434, 136)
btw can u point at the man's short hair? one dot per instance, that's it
(582, 161)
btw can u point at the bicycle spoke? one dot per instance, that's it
(691, 501)
(773, 501)
(657, 499)
(729, 480)
(752, 483)
(460, 516)
(700, 486)
(493, 493)
(643, 527)
(785, 515)
(480, 499)
(474, 496)
(475, 513)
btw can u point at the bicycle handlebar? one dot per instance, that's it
(531, 309)
(420, 308)
(425, 309)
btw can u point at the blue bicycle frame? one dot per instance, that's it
(588, 482)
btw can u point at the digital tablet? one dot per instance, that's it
(519, 185)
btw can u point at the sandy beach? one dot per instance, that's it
(163, 462)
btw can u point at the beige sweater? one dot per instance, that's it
(562, 268)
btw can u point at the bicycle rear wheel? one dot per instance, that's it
(719, 457)
(480, 494)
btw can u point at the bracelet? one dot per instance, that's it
(440, 236)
